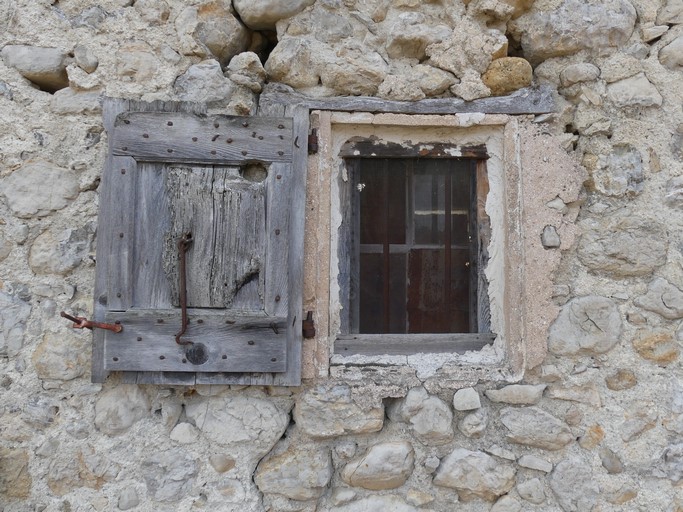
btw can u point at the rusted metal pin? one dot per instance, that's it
(80, 322)
(183, 244)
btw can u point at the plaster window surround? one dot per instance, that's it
(508, 270)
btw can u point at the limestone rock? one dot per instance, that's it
(5, 247)
(467, 49)
(60, 253)
(246, 69)
(620, 173)
(221, 463)
(610, 461)
(474, 475)
(220, 31)
(623, 245)
(670, 465)
(15, 479)
(585, 326)
(586, 394)
(69, 101)
(671, 13)
(85, 468)
(14, 313)
(620, 66)
(400, 88)
(536, 463)
(518, 394)
(575, 25)
(674, 193)
(154, 12)
(38, 188)
(184, 433)
(293, 62)
(356, 71)
(466, 399)
(203, 82)
(429, 416)
(299, 473)
(384, 466)
(507, 74)
(433, 81)
(118, 408)
(621, 379)
(169, 475)
(128, 499)
(263, 14)
(649, 31)
(474, 424)
(592, 437)
(239, 420)
(574, 487)
(45, 67)
(576, 73)
(636, 91)
(470, 87)
(658, 346)
(137, 60)
(550, 238)
(506, 504)
(640, 417)
(410, 35)
(531, 426)
(86, 59)
(376, 503)
(662, 298)
(61, 358)
(532, 491)
(329, 411)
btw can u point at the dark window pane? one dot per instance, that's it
(382, 189)
(397, 293)
(371, 286)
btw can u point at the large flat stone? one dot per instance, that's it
(384, 466)
(45, 67)
(535, 427)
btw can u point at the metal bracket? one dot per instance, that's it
(313, 142)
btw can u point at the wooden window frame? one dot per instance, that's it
(349, 341)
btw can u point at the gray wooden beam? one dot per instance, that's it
(530, 100)
(410, 344)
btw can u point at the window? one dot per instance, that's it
(200, 240)
(414, 248)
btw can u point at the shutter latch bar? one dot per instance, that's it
(80, 322)
(183, 244)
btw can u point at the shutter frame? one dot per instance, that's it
(272, 141)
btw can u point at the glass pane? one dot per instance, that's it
(382, 189)
(371, 286)
(429, 201)
(397, 293)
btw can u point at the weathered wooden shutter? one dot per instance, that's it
(237, 185)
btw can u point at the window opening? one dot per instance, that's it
(419, 234)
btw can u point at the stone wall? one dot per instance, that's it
(596, 426)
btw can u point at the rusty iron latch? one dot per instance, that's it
(308, 326)
(183, 244)
(80, 322)
(313, 142)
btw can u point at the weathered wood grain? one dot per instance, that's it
(147, 342)
(364, 148)
(530, 100)
(410, 344)
(225, 214)
(180, 138)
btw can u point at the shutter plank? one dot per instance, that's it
(226, 215)
(277, 237)
(180, 137)
(147, 344)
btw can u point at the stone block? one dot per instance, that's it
(507, 74)
(662, 298)
(45, 67)
(429, 416)
(535, 427)
(15, 479)
(117, 409)
(384, 466)
(169, 475)
(518, 394)
(573, 485)
(466, 399)
(263, 14)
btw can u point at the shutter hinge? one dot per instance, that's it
(308, 326)
(313, 142)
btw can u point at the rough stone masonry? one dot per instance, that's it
(597, 426)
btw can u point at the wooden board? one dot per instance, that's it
(363, 148)
(178, 137)
(530, 100)
(411, 344)
(230, 344)
(225, 214)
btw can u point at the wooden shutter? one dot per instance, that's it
(235, 183)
